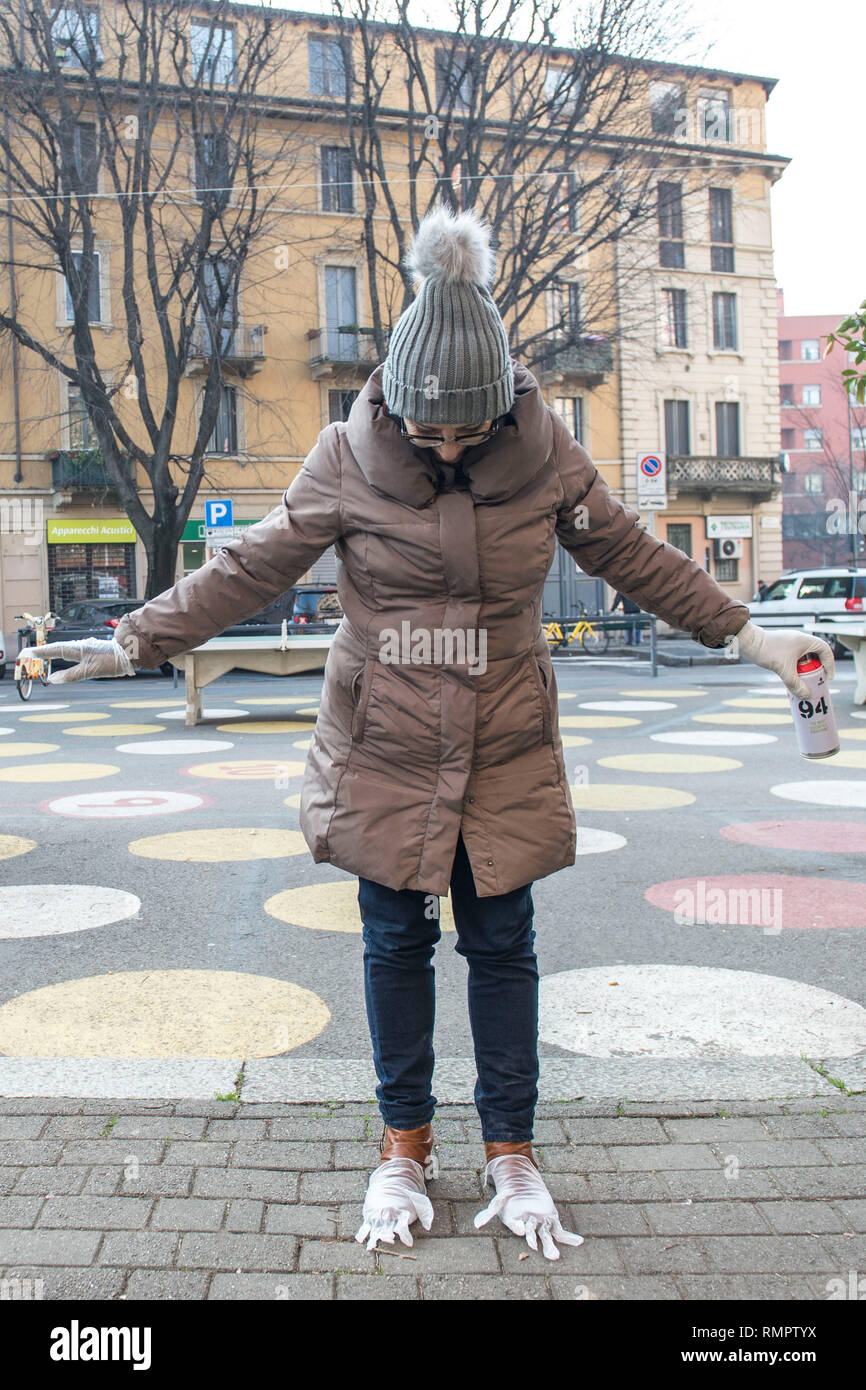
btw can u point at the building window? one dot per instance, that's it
(714, 115)
(212, 53)
(565, 308)
(679, 533)
(212, 168)
(224, 439)
(94, 297)
(562, 90)
(789, 439)
(86, 157)
(75, 36)
(339, 404)
(727, 571)
(341, 313)
(337, 190)
(785, 353)
(813, 439)
(813, 482)
(670, 215)
(721, 229)
(566, 193)
(327, 67)
(677, 436)
(79, 429)
(674, 324)
(666, 107)
(454, 80)
(786, 394)
(728, 429)
(218, 292)
(810, 350)
(858, 435)
(570, 411)
(811, 395)
(725, 322)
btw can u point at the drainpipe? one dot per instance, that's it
(13, 306)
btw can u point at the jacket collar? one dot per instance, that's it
(495, 470)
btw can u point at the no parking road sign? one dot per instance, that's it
(651, 480)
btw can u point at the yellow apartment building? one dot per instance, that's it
(684, 361)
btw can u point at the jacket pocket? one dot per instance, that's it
(546, 710)
(361, 685)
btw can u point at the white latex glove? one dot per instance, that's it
(778, 649)
(396, 1197)
(524, 1204)
(95, 657)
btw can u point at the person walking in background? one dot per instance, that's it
(632, 631)
(437, 768)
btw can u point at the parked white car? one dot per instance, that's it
(815, 593)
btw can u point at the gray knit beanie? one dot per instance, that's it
(448, 358)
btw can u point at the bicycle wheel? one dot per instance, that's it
(25, 687)
(45, 672)
(594, 640)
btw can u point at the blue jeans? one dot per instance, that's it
(495, 936)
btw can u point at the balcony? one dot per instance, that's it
(589, 360)
(242, 348)
(345, 348)
(82, 470)
(713, 473)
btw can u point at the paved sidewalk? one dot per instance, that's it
(109, 1199)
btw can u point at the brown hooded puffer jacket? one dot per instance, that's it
(421, 734)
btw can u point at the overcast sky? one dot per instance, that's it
(814, 116)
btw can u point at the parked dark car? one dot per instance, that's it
(269, 621)
(94, 617)
(316, 608)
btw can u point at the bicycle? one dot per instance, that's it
(27, 669)
(594, 640)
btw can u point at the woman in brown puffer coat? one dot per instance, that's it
(436, 762)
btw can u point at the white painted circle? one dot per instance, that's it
(174, 747)
(7, 731)
(116, 805)
(592, 841)
(691, 1011)
(627, 704)
(206, 713)
(823, 793)
(715, 738)
(13, 709)
(858, 713)
(53, 909)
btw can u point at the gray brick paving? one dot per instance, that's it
(198, 1200)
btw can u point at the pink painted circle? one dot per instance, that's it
(773, 902)
(829, 836)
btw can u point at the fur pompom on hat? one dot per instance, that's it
(448, 359)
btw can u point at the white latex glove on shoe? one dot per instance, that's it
(395, 1198)
(779, 649)
(95, 658)
(524, 1204)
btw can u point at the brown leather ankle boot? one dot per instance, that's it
(495, 1149)
(411, 1143)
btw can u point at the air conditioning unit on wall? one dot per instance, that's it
(728, 548)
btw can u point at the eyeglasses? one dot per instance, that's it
(433, 441)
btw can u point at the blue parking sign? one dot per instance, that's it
(218, 512)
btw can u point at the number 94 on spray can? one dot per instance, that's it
(814, 721)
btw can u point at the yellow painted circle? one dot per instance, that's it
(308, 709)
(669, 762)
(247, 770)
(606, 796)
(759, 702)
(22, 750)
(573, 740)
(220, 845)
(567, 695)
(263, 726)
(10, 845)
(596, 721)
(752, 717)
(64, 717)
(115, 730)
(333, 907)
(56, 772)
(162, 1013)
(294, 800)
(853, 757)
(852, 733)
(661, 692)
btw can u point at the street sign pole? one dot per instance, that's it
(652, 495)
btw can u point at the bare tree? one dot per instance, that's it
(131, 90)
(549, 144)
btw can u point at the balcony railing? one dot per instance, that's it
(82, 468)
(345, 347)
(715, 473)
(590, 359)
(241, 347)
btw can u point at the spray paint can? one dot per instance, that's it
(814, 720)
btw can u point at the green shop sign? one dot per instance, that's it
(111, 529)
(194, 530)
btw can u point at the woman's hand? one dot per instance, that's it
(95, 658)
(779, 649)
